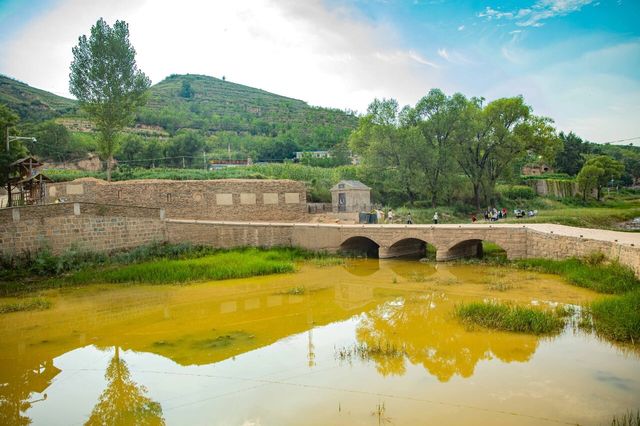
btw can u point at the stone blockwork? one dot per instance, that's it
(554, 246)
(224, 199)
(450, 241)
(85, 226)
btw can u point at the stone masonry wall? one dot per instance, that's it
(224, 199)
(553, 246)
(85, 226)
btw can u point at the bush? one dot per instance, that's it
(517, 192)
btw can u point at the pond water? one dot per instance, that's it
(371, 342)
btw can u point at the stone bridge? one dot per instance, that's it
(388, 241)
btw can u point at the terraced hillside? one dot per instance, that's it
(33, 104)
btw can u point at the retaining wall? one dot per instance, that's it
(85, 226)
(223, 199)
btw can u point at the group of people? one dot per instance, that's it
(492, 214)
(389, 217)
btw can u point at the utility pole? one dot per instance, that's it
(9, 200)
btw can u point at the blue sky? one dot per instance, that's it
(577, 61)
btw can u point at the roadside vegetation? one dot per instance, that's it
(153, 263)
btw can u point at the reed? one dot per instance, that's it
(611, 278)
(33, 304)
(617, 318)
(509, 318)
(219, 266)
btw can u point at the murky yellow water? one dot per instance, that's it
(373, 342)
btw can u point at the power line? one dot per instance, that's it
(620, 140)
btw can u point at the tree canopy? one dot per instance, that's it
(107, 82)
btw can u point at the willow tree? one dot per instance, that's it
(107, 82)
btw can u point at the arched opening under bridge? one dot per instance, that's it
(360, 247)
(473, 248)
(409, 248)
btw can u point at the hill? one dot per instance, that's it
(188, 114)
(33, 104)
(214, 105)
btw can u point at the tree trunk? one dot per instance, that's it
(109, 163)
(476, 195)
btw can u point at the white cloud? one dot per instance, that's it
(541, 10)
(461, 28)
(299, 49)
(587, 95)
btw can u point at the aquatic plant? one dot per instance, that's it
(218, 266)
(509, 318)
(33, 304)
(612, 278)
(499, 286)
(630, 418)
(617, 318)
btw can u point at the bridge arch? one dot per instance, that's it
(359, 246)
(409, 247)
(473, 247)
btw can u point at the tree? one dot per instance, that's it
(15, 149)
(53, 141)
(608, 170)
(186, 91)
(570, 158)
(438, 117)
(107, 82)
(495, 137)
(587, 179)
(388, 149)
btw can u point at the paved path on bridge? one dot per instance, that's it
(625, 238)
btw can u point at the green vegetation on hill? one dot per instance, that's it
(33, 104)
(215, 105)
(188, 115)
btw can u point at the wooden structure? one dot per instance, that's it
(27, 186)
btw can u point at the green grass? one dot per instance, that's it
(33, 304)
(610, 278)
(510, 318)
(154, 263)
(618, 318)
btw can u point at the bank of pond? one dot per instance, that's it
(615, 317)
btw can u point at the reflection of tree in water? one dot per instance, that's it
(22, 378)
(123, 402)
(425, 330)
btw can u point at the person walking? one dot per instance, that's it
(390, 216)
(409, 219)
(435, 218)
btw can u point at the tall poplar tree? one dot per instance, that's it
(107, 82)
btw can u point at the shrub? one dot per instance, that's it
(517, 192)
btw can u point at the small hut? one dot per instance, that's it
(27, 185)
(350, 196)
